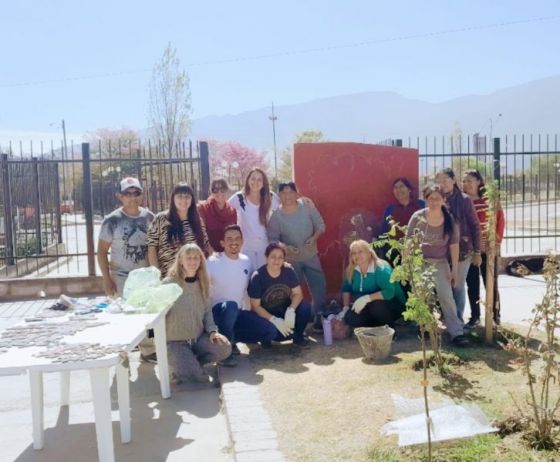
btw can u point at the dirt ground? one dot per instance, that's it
(328, 403)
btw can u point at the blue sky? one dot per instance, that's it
(47, 49)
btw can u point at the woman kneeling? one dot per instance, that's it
(193, 338)
(367, 281)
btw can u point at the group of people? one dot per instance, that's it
(240, 260)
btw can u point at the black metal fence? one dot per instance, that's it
(52, 203)
(527, 169)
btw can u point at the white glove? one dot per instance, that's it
(360, 303)
(280, 324)
(340, 316)
(290, 318)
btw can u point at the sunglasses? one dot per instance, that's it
(132, 193)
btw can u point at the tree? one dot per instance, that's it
(108, 142)
(307, 136)
(233, 161)
(169, 102)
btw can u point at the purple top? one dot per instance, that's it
(435, 243)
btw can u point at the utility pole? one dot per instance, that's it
(273, 118)
(65, 153)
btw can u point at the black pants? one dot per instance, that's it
(377, 313)
(473, 286)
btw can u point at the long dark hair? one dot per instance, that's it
(175, 230)
(448, 220)
(448, 171)
(266, 201)
(476, 174)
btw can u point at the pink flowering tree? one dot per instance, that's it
(233, 161)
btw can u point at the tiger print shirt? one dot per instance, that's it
(166, 250)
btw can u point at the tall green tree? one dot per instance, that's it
(169, 106)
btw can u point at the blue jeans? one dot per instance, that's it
(251, 328)
(225, 317)
(460, 292)
(314, 276)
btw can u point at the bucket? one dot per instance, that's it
(375, 341)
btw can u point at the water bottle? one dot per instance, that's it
(327, 330)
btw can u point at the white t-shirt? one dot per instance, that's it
(254, 233)
(229, 279)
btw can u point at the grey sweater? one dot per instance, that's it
(191, 315)
(295, 228)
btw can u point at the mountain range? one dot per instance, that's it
(530, 108)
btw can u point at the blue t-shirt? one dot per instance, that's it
(275, 294)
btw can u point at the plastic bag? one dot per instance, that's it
(143, 290)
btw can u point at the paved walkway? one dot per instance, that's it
(195, 424)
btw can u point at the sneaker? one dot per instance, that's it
(199, 378)
(151, 358)
(266, 345)
(472, 324)
(234, 350)
(460, 341)
(301, 342)
(230, 361)
(317, 327)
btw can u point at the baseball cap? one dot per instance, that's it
(130, 182)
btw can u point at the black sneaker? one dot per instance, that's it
(151, 358)
(318, 327)
(230, 361)
(266, 345)
(460, 341)
(234, 350)
(301, 342)
(472, 324)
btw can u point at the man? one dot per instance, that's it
(297, 227)
(124, 233)
(229, 273)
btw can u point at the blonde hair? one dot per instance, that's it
(356, 245)
(178, 273)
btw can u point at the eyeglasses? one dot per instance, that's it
(132, 193)
(219, 190)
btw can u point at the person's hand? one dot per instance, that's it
(281, 326)
(454, 278)
(218, 339)
(476, 259)
(360, 304)
(340, 316)
(290, 318)
(311, 241)
(109, 287)
(292, 249)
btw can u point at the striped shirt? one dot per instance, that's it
(166, 250)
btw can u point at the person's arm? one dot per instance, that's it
(473, 224)
(152, 257)
(103, 260)
(454, 250)
(152, 242)
(500, 224)
(318, 226)
(273, 228)
(257, 308)
(296, 297)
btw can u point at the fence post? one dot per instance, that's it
(37, 204)
(8, 217)
(497, 162)
(204, 169)
(88, 208)
(58, 204)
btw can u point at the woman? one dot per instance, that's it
(473, 186)
(276, 296)
(254, 205)
(367, 282)
(462, 209)
(397, 214)
(440, 243)
(217, 213)
(192, 336)
(173, 228)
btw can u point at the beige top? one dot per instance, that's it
(191, 315)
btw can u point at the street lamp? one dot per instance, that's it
(273, 118)
(491, 126)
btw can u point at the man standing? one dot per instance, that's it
(297, 227)
(124, 233)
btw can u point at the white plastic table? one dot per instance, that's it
(121, 329)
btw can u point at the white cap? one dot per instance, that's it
(130, 182)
